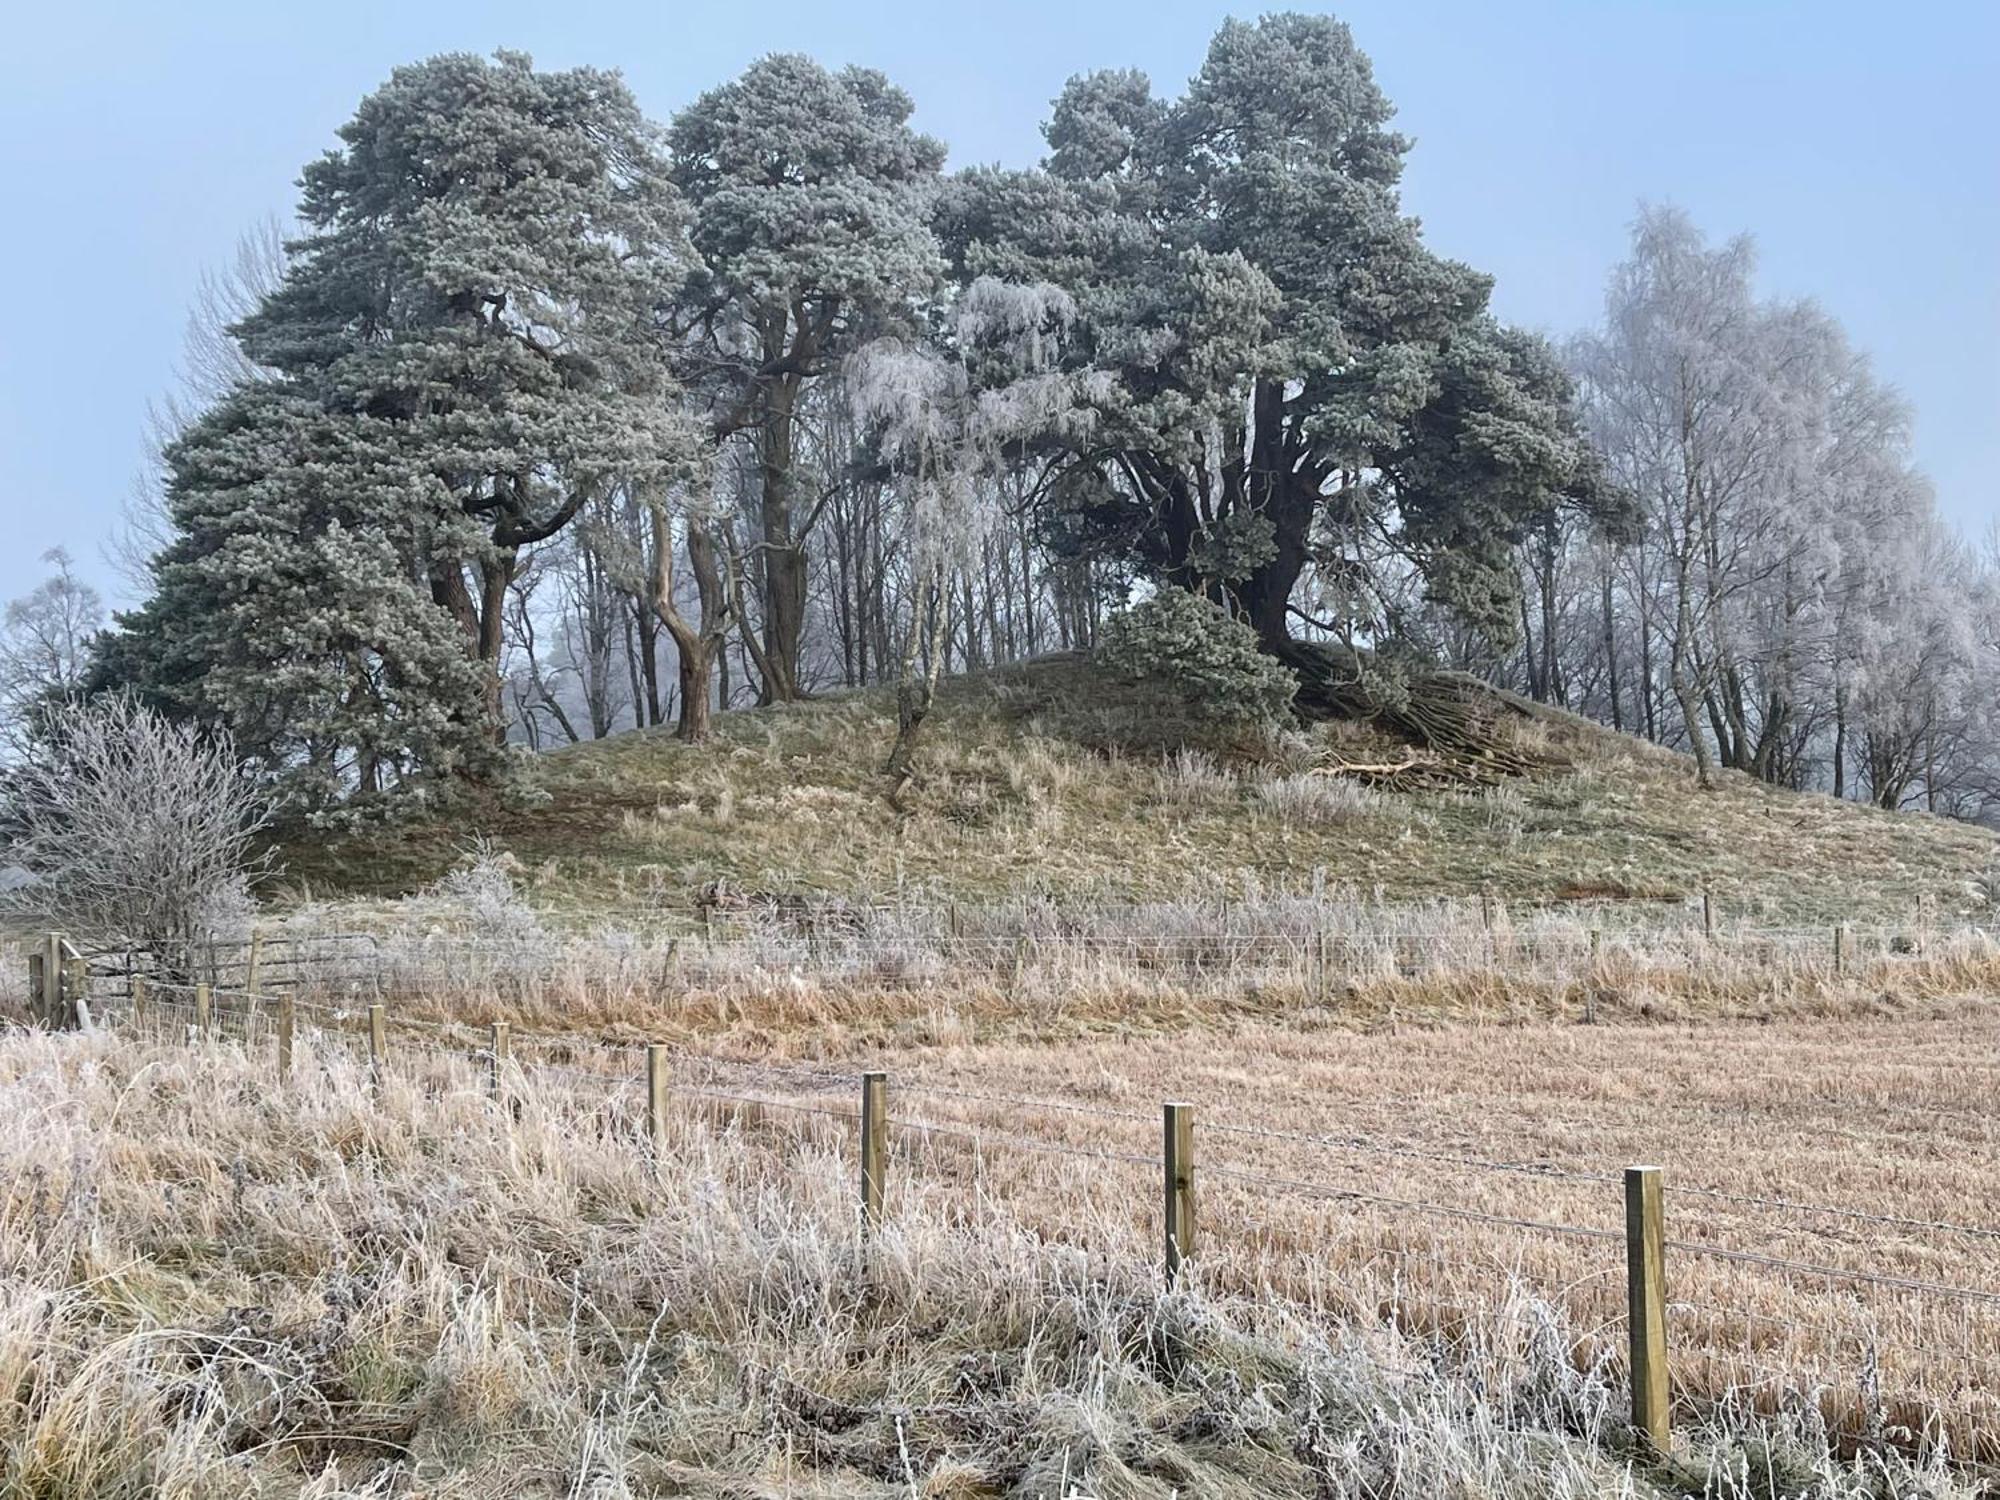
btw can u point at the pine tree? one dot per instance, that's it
(1308, 403)
(809, 194)
(465, 352)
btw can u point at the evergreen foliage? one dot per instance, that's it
(463, 354)
(541, 391)
(1307, 403)
(1191, 651)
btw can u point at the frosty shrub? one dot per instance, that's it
(1188, 648)
(483, 892)
(133, 828)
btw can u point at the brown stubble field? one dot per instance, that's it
(1417, 1222)
(1437, 1128)
(1830, 1164)
(1424, 1172)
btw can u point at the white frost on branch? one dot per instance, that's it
(946, 417)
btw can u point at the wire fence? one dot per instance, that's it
(1296, 952)
(1872, 1356)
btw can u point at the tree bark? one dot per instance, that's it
(695, 642)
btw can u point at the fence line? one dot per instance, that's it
(666, 1071)
(1361, 1144)
(1313, 943)
(705, 1077)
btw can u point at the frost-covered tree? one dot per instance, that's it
(1773, 475)
(293, 607)
(211, 365)
(808, 193)
(946, 416)
(1307, 404)
(464, 353)
(134, 829)
(46, 637)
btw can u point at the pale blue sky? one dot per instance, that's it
(1860, 143)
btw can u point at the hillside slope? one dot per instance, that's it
(1046, 778)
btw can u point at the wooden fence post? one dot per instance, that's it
(378, 1045)
(656, 1099)
(253, 967)
(1707, 912)
(499, 1048)
(1177, 1139)
(1840, 948)
(1645, 1266)
(56, 978)
(874, 1145)
(52, 980)
(138, 1001)
(287, 1020)
(204, 1011)
(75, 989)
(38, 984)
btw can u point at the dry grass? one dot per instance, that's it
(214, 1286)
(1412, 1105)
(1413, 1169)
(1027, 786)
(833, 974)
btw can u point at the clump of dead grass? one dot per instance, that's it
(1317, 801)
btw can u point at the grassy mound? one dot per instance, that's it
(1046, 778)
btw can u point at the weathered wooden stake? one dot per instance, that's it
(52, 982)
(1645, 1265)
(38, 984)
(56, 985)
(378, 1045)
(874, 1145)
(656, 1099)
(138, 1000)
(1177, 1140)
(1707, 912)
(76, 989)
(498, 1048)
(287, 1021)
(1840, 948)
(253, 968)
(204, 1011)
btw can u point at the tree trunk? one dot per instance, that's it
(697, 660)
(784, 555)
(1611, 654)
(1688, 698)
(1840, 742)
(696, 644)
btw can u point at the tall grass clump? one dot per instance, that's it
(1317, 801)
